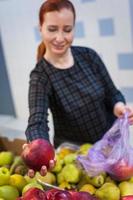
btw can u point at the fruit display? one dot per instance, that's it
(72, 181)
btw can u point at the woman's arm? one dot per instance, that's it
(113, 96)
(38, 106)
(39, 90)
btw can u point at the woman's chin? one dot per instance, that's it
(59, 51)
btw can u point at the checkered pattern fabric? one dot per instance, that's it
(81, 99)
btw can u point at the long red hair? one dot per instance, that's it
(49, 6)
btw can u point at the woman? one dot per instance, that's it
(72, 81)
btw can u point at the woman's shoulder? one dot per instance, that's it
(39, 70)
(40, 66)
(84, 50)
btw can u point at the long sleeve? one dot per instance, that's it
(38, 105)
(113, 95)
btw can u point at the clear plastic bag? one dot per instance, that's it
(112, 154)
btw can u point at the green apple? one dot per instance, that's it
(6, 158)
(32, 185)
(8, 192)
(4, 176)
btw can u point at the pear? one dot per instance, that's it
(82, 181)
(108, 191)
(88, 188)
(131, 179)
(6, 158)
(17, 161)
(60, 178)
(65, 185)
(108, 179)
(84, 148)
(8, 192)
(30, 179)
(31, 185)
(4, 176)
(71, 173)
(96, 181)
(70, 158)
(59, 164)
(126, 188)
(48, 178)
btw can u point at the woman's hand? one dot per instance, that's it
(43, 170)
(120, 109)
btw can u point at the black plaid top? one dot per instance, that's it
(81, 99)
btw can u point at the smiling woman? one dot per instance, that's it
(57, 33)
(72, 82)
(57, 20)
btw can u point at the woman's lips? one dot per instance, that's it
(58, 46)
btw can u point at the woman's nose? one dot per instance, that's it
(60, 37)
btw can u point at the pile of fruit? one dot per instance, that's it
(72, 180)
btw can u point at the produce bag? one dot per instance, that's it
(112, 154)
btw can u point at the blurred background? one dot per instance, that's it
(104, 25)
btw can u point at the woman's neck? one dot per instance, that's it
(61, 61)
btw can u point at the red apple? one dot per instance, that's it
(38, 153)
(55, 194)
(129, 197)
(121, 170)
(35, 194)
(82, 196)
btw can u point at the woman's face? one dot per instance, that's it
(57, 31)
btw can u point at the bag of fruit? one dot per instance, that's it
(112, 154)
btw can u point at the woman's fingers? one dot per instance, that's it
(43, 170)
(130, 114)
(24, 146)
(31, 173)
(51, 164)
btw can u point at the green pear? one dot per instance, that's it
(108, 191)
(8, 192)
(108, 179)
(21, 169)
(71, 173)
(32, 185)
(6, 158)
(60, 178)
(4, 176)
(58, 166)
(48, 178)
(82, 181)
(96, 181)
(126, 188)
(84, 148)
(29, 179)
(17, 161)
(70, 158)
(131, 179)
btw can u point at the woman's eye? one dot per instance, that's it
(67, 30)
(51, 29)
